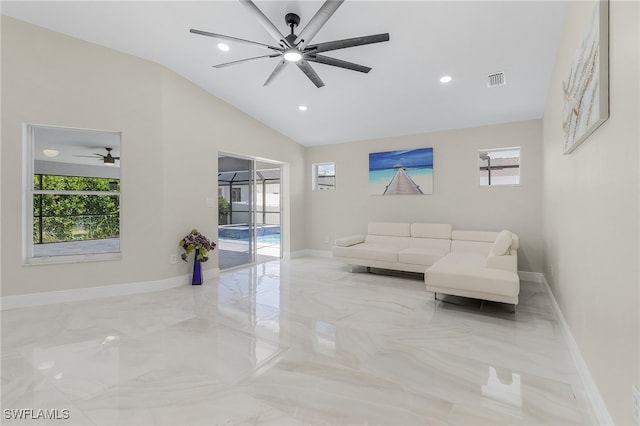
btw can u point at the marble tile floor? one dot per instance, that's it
(228, 259)
(293, 342)
(233, 253)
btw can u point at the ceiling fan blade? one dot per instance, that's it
(348, 42)
(306, 68)
(90, 156)
(277, 70)
(226, 37)
(321, 59)
(317, 22)
(226, 64)
(265, 22)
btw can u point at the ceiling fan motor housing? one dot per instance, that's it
(292, 20)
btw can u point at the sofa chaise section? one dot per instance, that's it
(481, 265)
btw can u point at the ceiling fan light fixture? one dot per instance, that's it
(292, 55)
(296, 47)
(224, 47)
(109, 161)
(51, 152)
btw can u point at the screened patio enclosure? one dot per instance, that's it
(249, 211)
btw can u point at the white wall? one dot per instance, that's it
(591, 213)
(457, 197)
(171, 134)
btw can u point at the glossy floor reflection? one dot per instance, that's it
(291, 342)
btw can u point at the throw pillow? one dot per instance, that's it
(502, 244)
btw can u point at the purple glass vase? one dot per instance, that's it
(196, 279)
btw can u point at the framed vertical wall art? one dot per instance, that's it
(586, 87)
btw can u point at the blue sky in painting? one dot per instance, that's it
(422, 157)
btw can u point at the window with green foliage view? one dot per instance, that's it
(71, 208)
(71, 195)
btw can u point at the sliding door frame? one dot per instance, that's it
(253, 239)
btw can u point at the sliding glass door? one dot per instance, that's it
(249, 211)
(267, 184)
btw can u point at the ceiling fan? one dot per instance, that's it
(108, 160)
(296, 48)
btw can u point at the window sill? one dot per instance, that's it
(78, 258)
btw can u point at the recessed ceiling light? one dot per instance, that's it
(224, 47)
(445, 79)
(303, 108)
(51, 152)
(292, 55)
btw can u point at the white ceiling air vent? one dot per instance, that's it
(496, 79)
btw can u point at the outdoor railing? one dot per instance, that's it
(64, 228)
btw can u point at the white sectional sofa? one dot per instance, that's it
(477, 264)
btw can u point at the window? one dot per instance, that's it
(236, 195)
(324, 177)
(73, 195)
(499, 166)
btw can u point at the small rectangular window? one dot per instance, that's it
(324, 177)
(236, 195)
(499, 166)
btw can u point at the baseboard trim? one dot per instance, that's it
(79, 294)
(597, 402)
(536, 277)
(293, 254)
(307, 252)
(319, 253)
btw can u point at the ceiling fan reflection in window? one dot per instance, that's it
(297, 48)
(107, 160)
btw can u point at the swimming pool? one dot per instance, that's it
(240, 231)
(273, 239)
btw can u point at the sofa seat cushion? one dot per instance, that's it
(467, 272)
(372, 251)
(421, 255)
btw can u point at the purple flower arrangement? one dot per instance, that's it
(196, 241)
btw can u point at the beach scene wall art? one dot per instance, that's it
(402, 172)
(586, 87)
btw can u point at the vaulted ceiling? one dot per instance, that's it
(467, 40)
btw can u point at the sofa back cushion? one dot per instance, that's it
(478, 241)
(431, 230)
(473, 241)
(389, 229)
